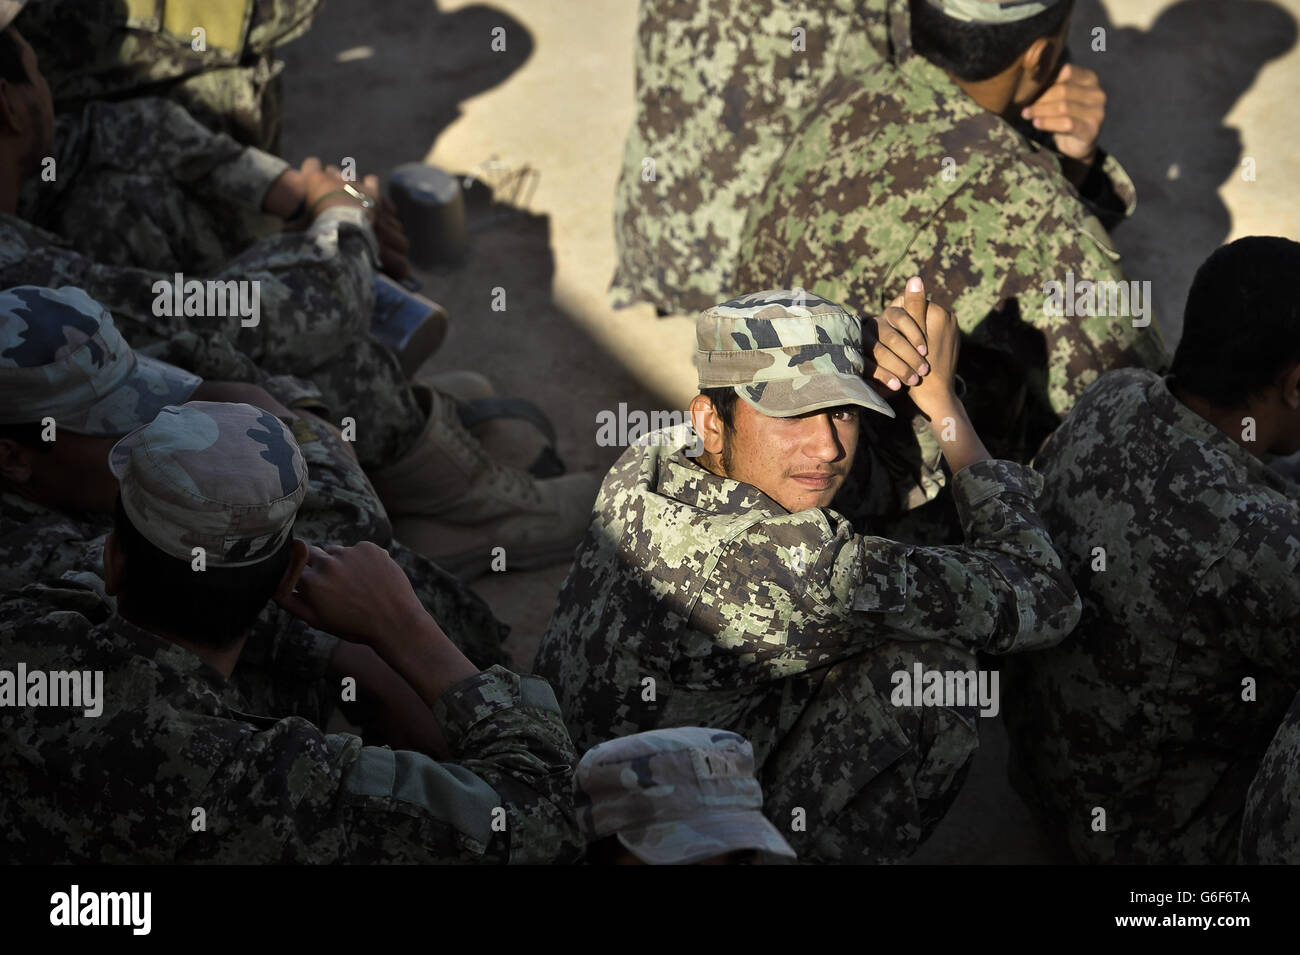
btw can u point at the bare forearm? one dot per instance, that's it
(957, 436)
(422, 655)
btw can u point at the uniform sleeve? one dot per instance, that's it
(1108, 192)
(803, 591)
(152, 137)
(1088, 330)
(315, 297)
(293, 795)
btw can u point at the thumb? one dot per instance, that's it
(914, 300)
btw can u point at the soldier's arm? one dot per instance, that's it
(804, 590)
(505, 797)
(151, 137)
(1090, 328)
(314, 297)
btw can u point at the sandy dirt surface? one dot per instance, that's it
(1202, 112)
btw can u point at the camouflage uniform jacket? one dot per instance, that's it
(1270, 828)
(860, 202)
(93, 50)
(316, 286)
(124, 786)
(1184, 547)
(714, 591)
(181, 197)
(897, 172)
(720, 87)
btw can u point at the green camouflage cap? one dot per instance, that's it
(225, 477)
(785, 352)
(62, 357)
(675, 796)
(992, 11)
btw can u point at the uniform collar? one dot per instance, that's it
(1182, 418)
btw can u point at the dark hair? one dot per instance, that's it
(977, 51)
(1241, 326)
(28, 435)
(11, 58)
(211, 608)
(724, 403)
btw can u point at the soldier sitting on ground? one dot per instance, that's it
(725, 591)
(171, 769)
(314, 289)
(70, 387)
(1136, 739)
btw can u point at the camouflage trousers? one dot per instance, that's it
(854, 779)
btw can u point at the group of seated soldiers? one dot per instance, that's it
(235, 620)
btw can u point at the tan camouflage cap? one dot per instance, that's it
(993, 11)
(225, 477)
(785, 352)
(62, 357)
(675, 796)
(8, 10)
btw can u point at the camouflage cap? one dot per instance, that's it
(225, 477)
(62, 357)
(992, 11)
(8, 10)
(785, 352)
(675, 796)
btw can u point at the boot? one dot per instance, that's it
(513, 431)
(449, 500)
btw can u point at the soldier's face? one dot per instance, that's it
(40, 103)
(799, 462)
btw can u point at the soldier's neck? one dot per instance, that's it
(1247, 427)
(996, 94)
(222, 660)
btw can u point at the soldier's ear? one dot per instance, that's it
(1041, 58)
(297, 561)
(707, 424)
(15, 462)
(13, 114)
(114, 566)
(1290, 386)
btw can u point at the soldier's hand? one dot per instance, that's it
(393, 244)
(943, 339)
(1073, 108)
(358, 593)
(900, 348)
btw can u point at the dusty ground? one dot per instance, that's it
(1201, 94)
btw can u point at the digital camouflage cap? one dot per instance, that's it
(62, 357)
(784, 352)
(675, 796)
(225, 477)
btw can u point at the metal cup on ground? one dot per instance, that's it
(431, 208)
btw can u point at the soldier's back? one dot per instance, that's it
(1172, 534)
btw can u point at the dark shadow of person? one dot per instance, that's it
(1169, 89)
(423, 65)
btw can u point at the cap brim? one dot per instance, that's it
(687, 841)
(136, 401)
(780, 399)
